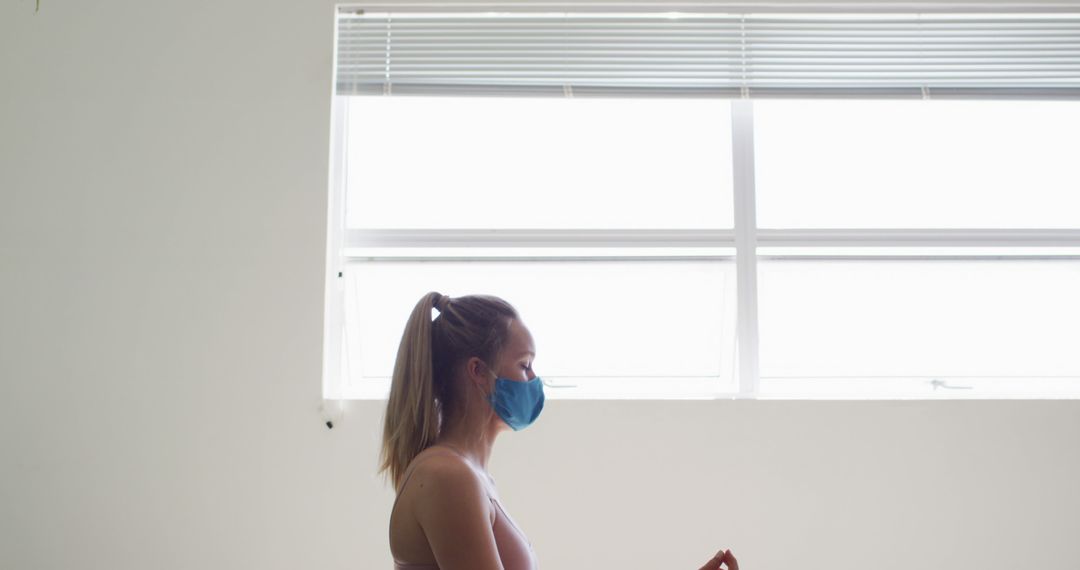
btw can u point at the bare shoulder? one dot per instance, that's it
(451, 505)
(444, 477)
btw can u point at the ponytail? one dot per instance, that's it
(423, 390)
(412, 416)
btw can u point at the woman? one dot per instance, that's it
(459, 381)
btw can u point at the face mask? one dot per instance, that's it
(517, 403)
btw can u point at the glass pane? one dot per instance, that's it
(917, 164)
(932, 319)
(528, 163)
(617, 320)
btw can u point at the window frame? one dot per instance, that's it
(745, 238)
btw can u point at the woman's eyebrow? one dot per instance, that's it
(529, 352)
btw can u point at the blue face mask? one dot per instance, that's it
(517, 403)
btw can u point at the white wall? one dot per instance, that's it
(163, 170)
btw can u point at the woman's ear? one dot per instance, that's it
(476, 371)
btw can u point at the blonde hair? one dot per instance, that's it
(423, 390)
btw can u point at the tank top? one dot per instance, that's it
(515, 550)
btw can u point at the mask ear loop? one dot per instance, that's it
(494, 386)
(489, 398)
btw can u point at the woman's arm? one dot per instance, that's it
(452, 507)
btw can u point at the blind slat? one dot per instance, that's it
(889, 55)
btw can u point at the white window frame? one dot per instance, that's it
(745, 239)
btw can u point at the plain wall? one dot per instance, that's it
(163, 195)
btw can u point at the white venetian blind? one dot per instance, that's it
(715, 54)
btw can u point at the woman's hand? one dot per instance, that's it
(722, 557)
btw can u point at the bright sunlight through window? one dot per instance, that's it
(901, 248)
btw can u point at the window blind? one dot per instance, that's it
(709, 54)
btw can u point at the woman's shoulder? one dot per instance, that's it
(442, 464)
(445, 482)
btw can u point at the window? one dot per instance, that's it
(571, 209)
(732, 224)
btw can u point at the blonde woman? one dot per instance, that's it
(459, 381)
